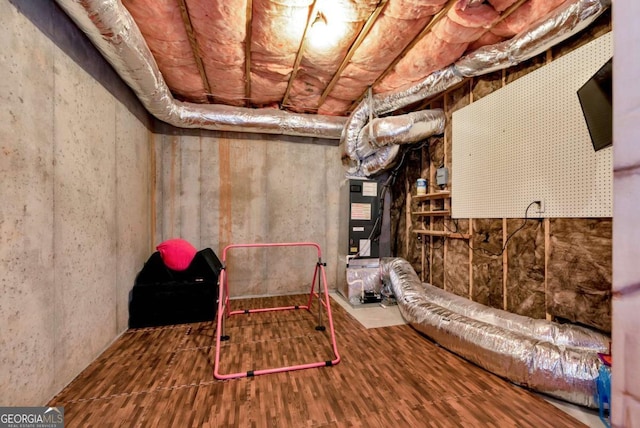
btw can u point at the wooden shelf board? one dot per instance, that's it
(431, 213)
(459, 236)
(437, 195)
(431, 232)
(442, 233)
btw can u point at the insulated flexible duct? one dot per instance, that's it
(112, 30)
(404, 129)
(569, 19)
(431, 85)
(557, 360)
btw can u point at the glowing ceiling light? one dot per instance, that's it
(326, 31)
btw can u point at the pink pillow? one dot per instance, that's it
(177, 254)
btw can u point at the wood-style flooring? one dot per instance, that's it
(389, 377)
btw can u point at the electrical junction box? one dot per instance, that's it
(442, 176)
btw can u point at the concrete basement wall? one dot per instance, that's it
(74, 218)
(219, 188)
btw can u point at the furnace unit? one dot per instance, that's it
(364, 217)
(364, 236)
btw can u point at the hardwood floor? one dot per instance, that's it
(388, 377)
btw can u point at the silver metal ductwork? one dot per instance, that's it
(557, 360)
(112, 30)
(569, 19)
(381, 159)
(403, 129)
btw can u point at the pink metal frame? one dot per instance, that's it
(224, 311)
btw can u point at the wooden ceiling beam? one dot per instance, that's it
(352, 50)
(247, 53)
(301, 49)
(434, 20)
(195, 49)
(508, 12)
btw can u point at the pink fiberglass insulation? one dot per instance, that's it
(334, 106)
(464, 25)
(323, 53)
(399, 22)
(409, 9)
(487, 38)
(389, 35)
(446, 42)
(524, 16)
(317, 67)
(501, 5)
(220, 31)
(161, 24)
(428, 55)
(353, 81)
(478, 16)
(452, 32)
(277, 29)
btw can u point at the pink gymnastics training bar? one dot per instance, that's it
(224, 311)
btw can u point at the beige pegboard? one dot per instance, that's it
(529, 141)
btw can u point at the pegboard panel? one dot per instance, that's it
(529, 141)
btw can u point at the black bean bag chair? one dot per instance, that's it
(162, 296)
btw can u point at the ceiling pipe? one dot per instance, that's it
(115, 34)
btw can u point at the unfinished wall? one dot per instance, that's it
(221, 188)
(74, 223)
(535, 275)
(626, 233)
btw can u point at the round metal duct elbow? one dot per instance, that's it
(404, 129)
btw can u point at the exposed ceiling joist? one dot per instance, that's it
(184, 12)
(437, 17)
(504, 15)
(352, 50)
(508, 12)
(247, 53)
(303, 44)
